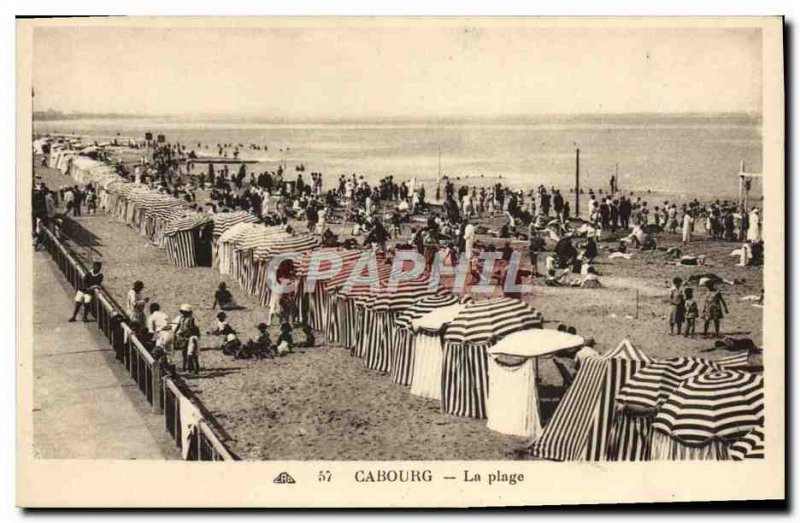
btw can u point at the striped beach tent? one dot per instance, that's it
(428, 347)
(403, 344)
(185, 239)
(313, 298)
(707, 413)
(580, 428)
(223, 222)
(476, 328)
(749, 447)
(639, 400)
(290, 248)
(382, 353)
(354, 287)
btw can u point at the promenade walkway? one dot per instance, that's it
(84, 405)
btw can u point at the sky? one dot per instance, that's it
(353, 72)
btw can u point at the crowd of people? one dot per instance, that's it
(458, 222)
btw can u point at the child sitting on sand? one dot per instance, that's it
(224, 298)
(285, 341)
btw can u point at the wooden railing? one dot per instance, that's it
(163, 393)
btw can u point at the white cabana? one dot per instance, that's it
(512, 404)
(426, 380)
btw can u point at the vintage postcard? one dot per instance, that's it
(399, 262)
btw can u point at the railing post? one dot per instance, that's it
(158, 382)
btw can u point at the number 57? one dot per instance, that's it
(324, 476)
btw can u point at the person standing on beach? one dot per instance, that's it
(690, 308)
(677, 304)
(184, 329)
(135, 304)
(688, 225)
(713, 308)
(469, 239)
(624, 212)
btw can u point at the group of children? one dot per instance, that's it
(262, 347)
(684, 309)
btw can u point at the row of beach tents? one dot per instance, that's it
(477, 358)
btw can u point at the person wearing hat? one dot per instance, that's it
(185, 326)
(85, 294)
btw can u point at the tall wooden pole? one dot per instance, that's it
(577, 182)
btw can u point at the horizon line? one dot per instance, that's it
(53, 114)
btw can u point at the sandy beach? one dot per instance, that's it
(320, 403)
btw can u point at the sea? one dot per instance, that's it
(690, 155)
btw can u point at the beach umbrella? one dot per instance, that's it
(476, 328)
(422, 307)
(720, 406)
(488, 321)
(581, 426)
(652, 384)
(640, 398)
(749, 447)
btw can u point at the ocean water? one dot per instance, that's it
(688, 155)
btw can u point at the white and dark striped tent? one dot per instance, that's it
(185, 238)
(382, 353)
(580, 428)
(290, 249)
(749, 447)
(706, 414)
(345, 323)
(641, 397)
(404, 346)
(464, 370)
(223, 222)
(313, 299)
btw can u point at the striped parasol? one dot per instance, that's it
(422, 307)
(718, 405)
(403, 295)
(736, 361)
(483, 321)
(749, 447)
(652, 384)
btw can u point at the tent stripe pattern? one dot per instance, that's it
(734, 362)
(495, 318)
(465, 380)
(653, 384)
(720, 405)
(404, 346)
(423, 307)
(181, 237)
(749, 447)
(581, 425)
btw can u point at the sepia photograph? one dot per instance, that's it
(524, 244)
